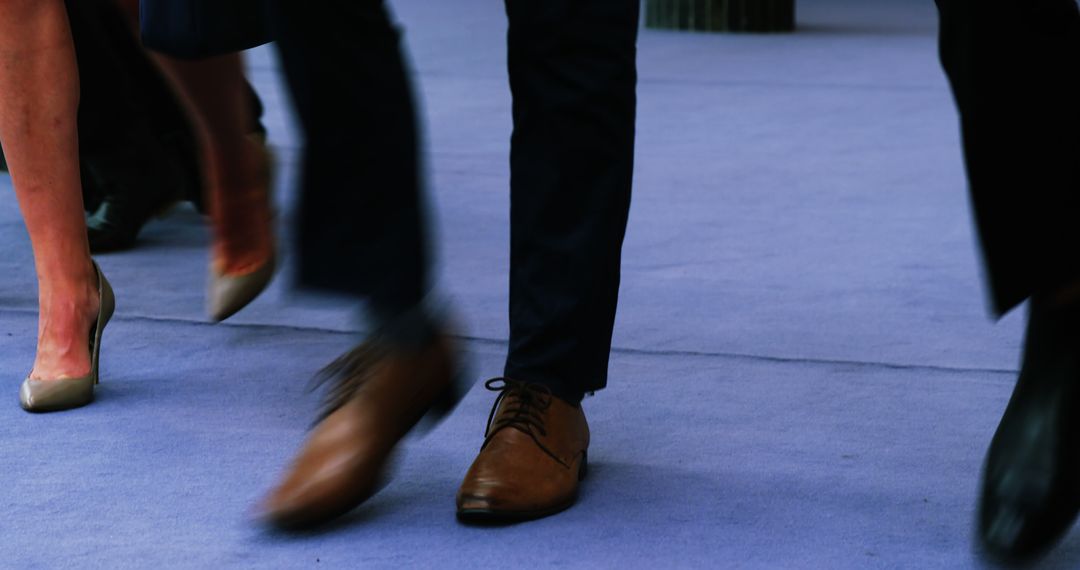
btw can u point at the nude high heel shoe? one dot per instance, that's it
(228, 293)
(67, 393)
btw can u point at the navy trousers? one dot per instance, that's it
(572, 67)
(1013, 70)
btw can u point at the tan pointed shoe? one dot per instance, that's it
(67, 393)
(227, 294)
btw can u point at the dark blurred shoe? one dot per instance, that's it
(379, 394)
(534, 454)
(1031, 484)
(134, 185)
(124, 193)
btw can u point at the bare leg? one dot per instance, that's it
(236, 169)
(235, 165)
(40, 84)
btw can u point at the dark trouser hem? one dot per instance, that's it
(570, 390)
(362, 225)
(1021, 132)
(412, 329)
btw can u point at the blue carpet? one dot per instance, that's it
(804, 374)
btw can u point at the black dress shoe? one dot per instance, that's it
(1031, 485)
(134, 186)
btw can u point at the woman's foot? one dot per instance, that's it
(242, 216)
(68, 309)
(242, 256)
(61, 388)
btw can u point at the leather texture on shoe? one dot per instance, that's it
(1031, 482)
(227, 294)
(377, 396)
(67, 393)
(533, 457)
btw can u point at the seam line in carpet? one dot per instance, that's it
(614, 349)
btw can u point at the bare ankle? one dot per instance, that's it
(80, 297)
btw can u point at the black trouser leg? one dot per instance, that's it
(573, 77)
(137, 152)
(117, 97)
(362, 228)
(1013, 67)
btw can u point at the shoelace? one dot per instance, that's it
(345, 375)
(524, 411)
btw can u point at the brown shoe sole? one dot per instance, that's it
(497, 516)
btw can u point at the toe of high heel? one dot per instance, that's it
(227, 294)
(56, 395)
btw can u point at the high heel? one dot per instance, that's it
(226, 294)
(67, 393)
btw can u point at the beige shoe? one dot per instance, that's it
(67, 393)
(227, 294)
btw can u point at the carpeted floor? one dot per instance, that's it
(804, 374)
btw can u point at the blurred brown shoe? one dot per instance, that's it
(534, 455)
(378, 396)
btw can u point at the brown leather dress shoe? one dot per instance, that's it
(534, 455)
(378, 396)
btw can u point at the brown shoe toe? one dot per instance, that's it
(532, 459)
(378, 398)
(335, 471)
